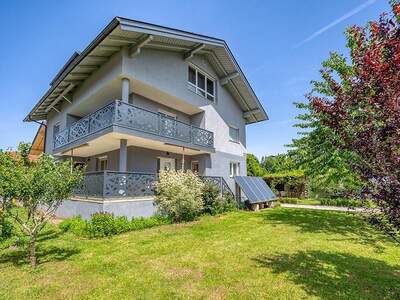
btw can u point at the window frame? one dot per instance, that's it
(100, 160)
(231, 168)
(195, 86)
(57, 125)
(238, 134)
(192, 163)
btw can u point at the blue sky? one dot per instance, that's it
(279, 45)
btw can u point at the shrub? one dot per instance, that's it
(121, 225)
(106, 224)
(210, 198)
(75, 225)
(214, 203)
(179, 195)
(341, 202)
(142, 223)
(5, 229)
(101, 224)
(289, 200)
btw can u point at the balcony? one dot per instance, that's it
(115, 185)
(127, 116)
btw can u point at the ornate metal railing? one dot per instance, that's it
(132, 117)
(114, 184)
(220, 182)
(111, 184)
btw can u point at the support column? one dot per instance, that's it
(125, 90)
(183, 158)
(123, 154)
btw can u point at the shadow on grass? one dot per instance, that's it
(19, 257)
(346, 226)
(45, 253)
(337, 275)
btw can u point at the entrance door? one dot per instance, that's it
(167, 164)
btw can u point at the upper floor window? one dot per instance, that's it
(56, 128)
(234, 134)
(201, 84)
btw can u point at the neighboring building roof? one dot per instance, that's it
(38, 142)
(122, 32)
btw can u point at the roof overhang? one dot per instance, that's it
(122, 32)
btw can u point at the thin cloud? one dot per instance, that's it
(337, 21)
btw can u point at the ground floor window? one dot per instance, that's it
(166, 164)
(195, 166)
(234, 168)
(102, 163)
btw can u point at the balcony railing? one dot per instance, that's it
(129, 116)
(114, 184)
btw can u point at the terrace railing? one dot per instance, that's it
(111, 184)
(129, 116)
(114, 184)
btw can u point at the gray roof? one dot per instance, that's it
(122, 32)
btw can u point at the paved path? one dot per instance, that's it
(323, 207)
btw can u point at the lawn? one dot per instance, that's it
(272, 254)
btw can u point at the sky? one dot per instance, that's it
(279, 45)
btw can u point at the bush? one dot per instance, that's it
(289, 200)
(5, 229)
(75, 225)
(342, 202)
(179, 195)
(101, 224)
(106, 224)
(214, 203)
(210, 198)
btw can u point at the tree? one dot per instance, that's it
(360, 103)
(315, 152)
(277, 163)
(253, 166)
(31, 191)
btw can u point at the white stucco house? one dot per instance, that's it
(141, 98)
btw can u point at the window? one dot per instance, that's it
(56, 129)
(195, 166)
(167, 114)
(201, 84)
(234, 169)
(234, 134)
(102, 163)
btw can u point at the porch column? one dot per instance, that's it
(183, 158)
(123, 151)
(125, 90)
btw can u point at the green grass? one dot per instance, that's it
(272, 254)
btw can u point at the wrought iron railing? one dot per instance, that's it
(114, 184)
(129, 116)
(220, 182)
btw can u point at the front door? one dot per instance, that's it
(167, 164)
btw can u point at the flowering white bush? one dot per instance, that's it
(179, 195)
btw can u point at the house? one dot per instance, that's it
(142, 98)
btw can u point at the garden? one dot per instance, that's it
(203, 244)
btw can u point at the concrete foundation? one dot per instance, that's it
(131, 208)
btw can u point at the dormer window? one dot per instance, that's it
(201, 83)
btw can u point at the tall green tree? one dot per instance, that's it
(316, 152)
(31, 191)
(278, 163)
(253, 166)
(358, 101)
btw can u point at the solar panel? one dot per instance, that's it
(255, 189)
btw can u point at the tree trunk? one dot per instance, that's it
(32, 250)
